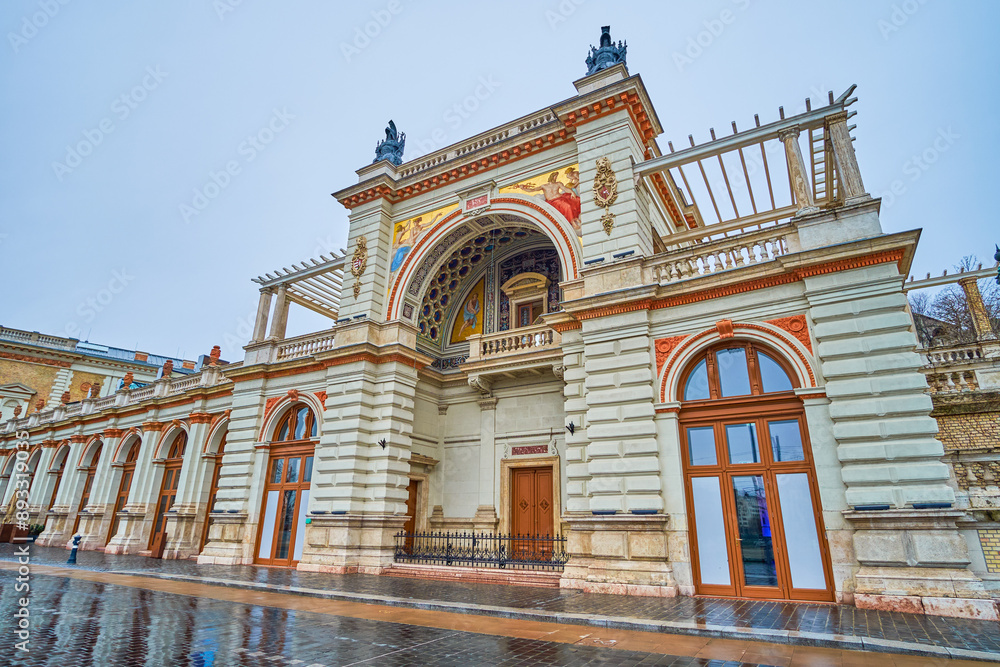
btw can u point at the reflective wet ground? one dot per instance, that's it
(96, 614)
(84, 623)
(931, 631)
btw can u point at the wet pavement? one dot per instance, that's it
(754, 619)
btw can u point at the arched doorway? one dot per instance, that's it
(756, 528)
(124, 485)
(168, 492)
(286, 489)
(89, 464)
(213, 490)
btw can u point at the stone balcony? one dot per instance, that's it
(962, 368)
(271, 350)
(525, 350)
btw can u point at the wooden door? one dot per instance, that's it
(168, 492)
(410, 526)
(286, 499)
(85, 498)
(531, 514)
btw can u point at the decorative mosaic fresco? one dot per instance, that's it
(470, 319)
(406, 234)
(543, 261)
(559, 188)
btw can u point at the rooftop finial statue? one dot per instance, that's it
(391, 148)
(607, 54)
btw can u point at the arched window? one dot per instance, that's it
(178, 446)
(61, 457)
(298, 424)
(756, 520)
(735, 370)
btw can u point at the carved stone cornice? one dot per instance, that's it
(200, 418)
(112, 432)
(153, 426)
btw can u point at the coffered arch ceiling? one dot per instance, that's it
(473, 259)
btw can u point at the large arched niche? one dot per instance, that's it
(411, 282)
(480, 266)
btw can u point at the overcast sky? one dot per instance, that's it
(116, 115)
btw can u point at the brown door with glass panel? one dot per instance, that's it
(128, 470)
(168, 493)
(59, 475)
(750, 479)
(213, 491)
(88, 484)
(286, 490)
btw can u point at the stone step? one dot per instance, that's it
(478, 575)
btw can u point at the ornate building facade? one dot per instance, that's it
(679, 359)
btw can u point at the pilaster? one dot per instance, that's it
(622, 451)
(373, 221)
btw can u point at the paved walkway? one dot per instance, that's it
(785, 623)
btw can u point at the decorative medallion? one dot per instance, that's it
(664, 346)
(795, 325)
(359, 262)
(605, 192)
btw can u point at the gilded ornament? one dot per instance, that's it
(359, 262)
(605, 192)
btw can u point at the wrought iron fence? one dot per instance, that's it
(524, 552)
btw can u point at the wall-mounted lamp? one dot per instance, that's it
(382, 442)
(571, 428)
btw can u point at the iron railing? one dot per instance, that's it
(523, 552)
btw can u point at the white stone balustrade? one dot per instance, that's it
(723, 255)
(208, 377)
(304, 346)
(513, 342)
(952, 355)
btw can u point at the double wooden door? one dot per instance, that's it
(532, 501)
(286, 501)
(757, 528)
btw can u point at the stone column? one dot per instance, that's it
(911, 555)
(280, 321)
(848, 174)
(41, 483)
(485, 519)
(185, 521)
(622, 546)
(263, 309)
(96, 515)
(233, 533)
(977, 310)
(358, 494)
(134, 528)
(575, 405)
(612, 136)
(797, 173)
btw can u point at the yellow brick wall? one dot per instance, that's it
(990, 539)
(79, 381)
(969, 431)
(39, 377)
